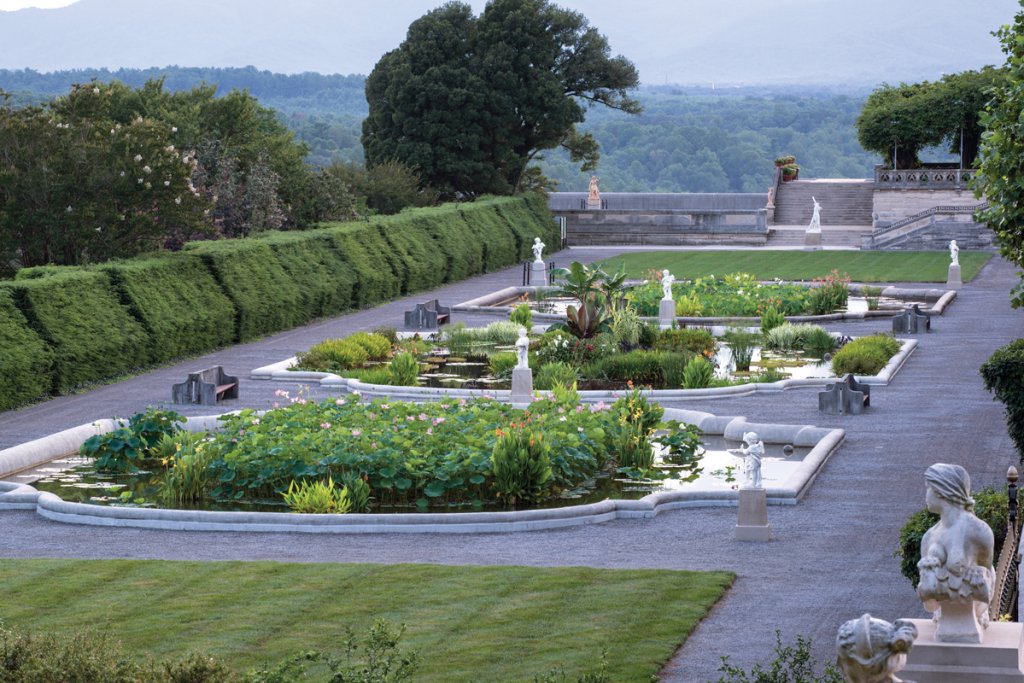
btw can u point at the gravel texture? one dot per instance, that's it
(832, 555)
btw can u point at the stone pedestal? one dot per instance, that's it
(522, 387)
(953, 278)
(593, 204)
(538, 273)
(812, 240)
(996, 660)
(752, 521)
(666, 314)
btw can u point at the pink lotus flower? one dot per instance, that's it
(430, 431)
(423, 416)
(325, 425)
(339, 402)
(356, 432)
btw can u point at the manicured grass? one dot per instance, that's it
(861, 266)
(468, 623)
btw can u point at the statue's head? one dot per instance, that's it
(522, 332)
(950, 483)
(870, 650)
(665, 273)
(751, 438)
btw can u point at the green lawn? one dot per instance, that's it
(468, 623)
(861, 266)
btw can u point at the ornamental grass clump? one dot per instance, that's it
(557, 374)
(332, 355)
(187, 459)
(698, 373)
(637, 421)
(317, 497)
(520, 466)
(697, 340)
(771, 318)
(377, 346)
(403, 370)
(522, 316)
(865, 355)
(742, 345)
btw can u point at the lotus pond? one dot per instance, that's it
(344, 455)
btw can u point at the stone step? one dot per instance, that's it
(850, 236)
(843, 202)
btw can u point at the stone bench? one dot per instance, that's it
(205, 387)
(845, 397)
(912, 321)
(428, 316)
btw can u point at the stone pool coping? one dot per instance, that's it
(13, 496)
(941, 297)
(279, 372)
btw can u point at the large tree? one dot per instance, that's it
(1000, 176)
(470, 101)
(910, 117)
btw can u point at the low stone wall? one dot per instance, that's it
(600, 227)
(822, 441)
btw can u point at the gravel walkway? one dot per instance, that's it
(832, 557)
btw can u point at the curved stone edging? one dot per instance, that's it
(942, 298)
(279, 372)
(823, 443)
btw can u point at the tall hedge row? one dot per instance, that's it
(177, 301)
(25, 361)
(80, 317)
(64, 327)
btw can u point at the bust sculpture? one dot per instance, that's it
(593, 193)
(752, 452)
(666, 284)
(523, 349)
(872, 650)
(815, 225)
(538, 249)
(954, 253)
(956, 558)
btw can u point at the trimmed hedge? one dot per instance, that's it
(323, 278)
(25, 361)
(265, 297)
(1003, 374)
(80, 316)
(178, 302)
(61, 327)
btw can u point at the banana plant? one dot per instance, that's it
(578, 281)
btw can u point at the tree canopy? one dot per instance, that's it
(1000, 177)
(910, 117)
(471, 101)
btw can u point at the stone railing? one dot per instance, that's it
(887, 233)
(925, 178)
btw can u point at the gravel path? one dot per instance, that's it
(832, 557)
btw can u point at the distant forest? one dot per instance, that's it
(687, 139)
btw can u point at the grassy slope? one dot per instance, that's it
(469, 623)
(861, 266)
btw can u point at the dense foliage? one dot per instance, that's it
(911, 117)
(737, 294)
(68, 326)
(865, 355)
(1001, 157)
(470, 101)
(1003, 374)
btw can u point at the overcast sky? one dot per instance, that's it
(670, 41)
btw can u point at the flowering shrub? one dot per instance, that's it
(830, 294)
(520, 465)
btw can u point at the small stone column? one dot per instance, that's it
(953, 280)
(812, 240)
(666, 314)
(522, 387)
(752, 520)
(538, 273)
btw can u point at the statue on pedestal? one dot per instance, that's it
(873, 650)
(956, 558)
(593, 194)
(752, 452)
(538, 249)
(666, 284)
(815, 225)
(954, 253)
(523, 349)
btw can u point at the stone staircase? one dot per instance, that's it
(843, 202)
(833, 236)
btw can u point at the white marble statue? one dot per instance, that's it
(815, 225)
(956, 558)
(954, 253)
(666, 284)
(872, 650)
(523, 349)
(538, 249)
(593, 193)
(752, 454)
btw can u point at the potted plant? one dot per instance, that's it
(784, 161)
(790, 172)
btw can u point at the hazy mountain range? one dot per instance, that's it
(684, 41)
